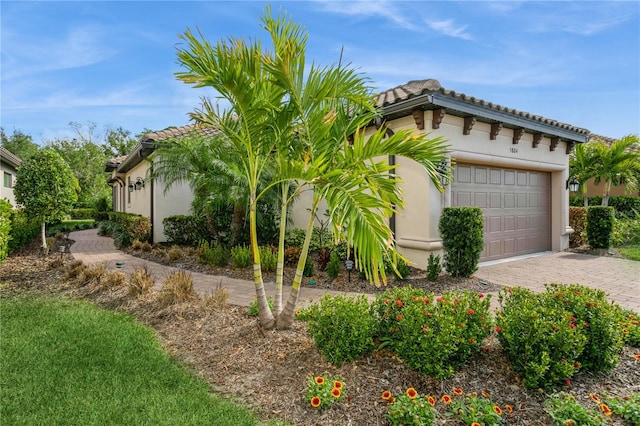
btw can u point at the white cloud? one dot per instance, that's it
(449, 28)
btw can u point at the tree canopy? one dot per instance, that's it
(19, 144)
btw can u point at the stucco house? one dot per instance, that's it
(133, 192)
(512, 164)
(9, 164)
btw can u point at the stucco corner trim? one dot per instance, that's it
(568, 231)
(429, 245)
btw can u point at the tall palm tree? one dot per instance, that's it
(311, 123)
(617, 164)
(581, 167)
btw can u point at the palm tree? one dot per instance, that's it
(581, 167)
(311, 123)
(617, 164)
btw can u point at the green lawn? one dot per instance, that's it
(68, 362)
(631, 252)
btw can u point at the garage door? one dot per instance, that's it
(515, 204)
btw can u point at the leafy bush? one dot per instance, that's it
(253, 310)
(5, 228)
(308, 267)
(628, 408)
(599, 318)
(564, 409)
(320, 238)
(23, 230)
(629, 323)
(343, 328)
(577, 221)
(401, 271)
(241, 256)
(177, 288)
(625, 206)
(434, 268)
(185, 230)
(626, 232)
(461, 233)
(542, 341)
(291, 255)
(600, 226)
(333, 267)
(82, 213)
(268, 259)
(324, 257)
(127, 227)
(434, 335)
(410, 409)
(474, 409)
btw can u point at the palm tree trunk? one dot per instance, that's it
(285, 319)
(265, 317)
(585, 197)
(277, 303)
(607, 193)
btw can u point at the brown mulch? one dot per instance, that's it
(268, 369)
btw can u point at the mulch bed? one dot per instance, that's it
(268, 370)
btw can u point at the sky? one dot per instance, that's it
(112, 63)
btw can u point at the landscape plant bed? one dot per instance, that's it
(268, 370)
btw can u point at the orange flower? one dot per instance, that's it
(636, 357)
(457, 391)
(471, 311)
(508, 408)
(386, 395)
(336, 392)
(319, 380)
(446, 399)
(411, 393)
(475, 424)
(315, 402)
(605, 409)
(431, 400)
(486, 393)
(568, 423)
(594, 397)
(498, 410)
(337, 384)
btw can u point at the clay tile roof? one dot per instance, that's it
(416, 88)
(605, 139)
(176, 132)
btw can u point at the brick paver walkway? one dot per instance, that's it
(618, 277)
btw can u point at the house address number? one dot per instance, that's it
(513, 150)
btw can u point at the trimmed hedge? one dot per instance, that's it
(185, 230)
(82, 213)
(625, 206)
(577, 221)
(600, 226)
(461, 232)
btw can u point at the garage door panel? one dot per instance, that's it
(515, 204)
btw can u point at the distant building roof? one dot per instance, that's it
(10, 158)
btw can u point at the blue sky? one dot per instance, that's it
(112, 63)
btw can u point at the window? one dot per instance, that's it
(8, 180)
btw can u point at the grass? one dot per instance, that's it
(631, 252)
(68, 362)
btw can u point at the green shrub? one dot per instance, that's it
(219, 256)
(320, 238)
(462, 239)
(628, 408)
(23, 230)
(600, 226)
(578, 222)
(268, 259)
(5, 228)
(333, 267)
(308, 267)
(599, 319)
(625, 207)
(434, 335)
(474, 409)
(127, 227)
(541, 340)
(434, 268)
(343, 328)
(241, 256)
(563, 407)
(291, 255)
(185, 230)
(401, 271)
(629, 323)
(253, 310)
(82, 213)
(626, 232)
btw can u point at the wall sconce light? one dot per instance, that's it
(572, 184)
(130, 186)
(443, 172)
(139, 184)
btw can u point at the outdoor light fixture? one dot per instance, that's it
(62, 249)
(130, 186)
(572, 184)
(120, 265)
(443, 172)
(139, 184)
(349, 264)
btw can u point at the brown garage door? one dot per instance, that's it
(515, 204)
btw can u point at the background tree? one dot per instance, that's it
(616, 164)
(46, 187)
(581, 167)
(119, 141)
(19, 144)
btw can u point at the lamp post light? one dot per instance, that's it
(349, 264)
(120, 265)
(62, 250)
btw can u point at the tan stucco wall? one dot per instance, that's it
(593, 190)
(7, 193)
(177, 201)
(417, 224)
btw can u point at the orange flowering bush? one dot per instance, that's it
(410, 408)
(630, 327)
(322, 391)
(474, 409)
